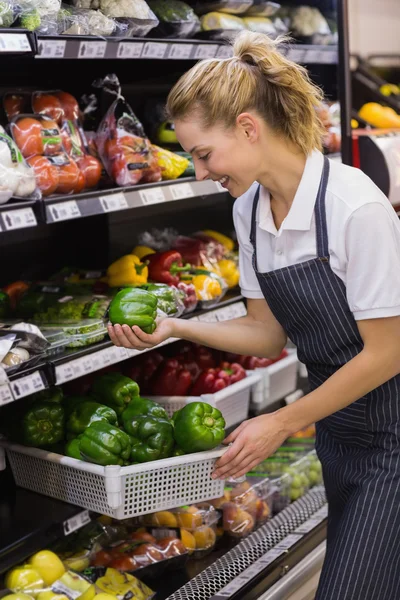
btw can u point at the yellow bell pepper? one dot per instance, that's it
(128, 270)
(229, 272)
(141, 251)
(206, 287)
(24, 578)
(48, 565)
(221, 238)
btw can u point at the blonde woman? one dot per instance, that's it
(319, 262)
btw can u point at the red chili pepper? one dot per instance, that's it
(171, 380)
(209, 382)
(165, 267)
(234, 371)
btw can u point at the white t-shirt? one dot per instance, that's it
(363, 233)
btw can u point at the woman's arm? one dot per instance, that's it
(258, 438)
(258, 334)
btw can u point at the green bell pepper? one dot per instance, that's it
(115, 390)
(53, 394)
(165, 296)
(4, 305)
(152, 439)
(87, 413)
(137, 408)
(72, 448)
(134, 306)
(43, 424)
(198, 426)
(178, 451)
(105, 444)
(72, 402)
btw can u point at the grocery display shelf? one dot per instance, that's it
(75, 363)
(18, 215)
(30, 522)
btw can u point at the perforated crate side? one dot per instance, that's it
(235, 408)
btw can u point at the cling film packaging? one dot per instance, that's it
(263, 8)
(17, 178)
(81, 333)
(177, 18)
(232, 7)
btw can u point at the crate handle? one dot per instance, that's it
(113, 485)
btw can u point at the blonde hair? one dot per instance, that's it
(258, 77)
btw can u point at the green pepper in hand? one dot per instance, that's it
(137, 408)
(43, 424)
(104, 444)
(198, 426)
(134, 306)
(87, 413)
(115, 390)
(151, 438)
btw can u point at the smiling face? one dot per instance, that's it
(230, 156)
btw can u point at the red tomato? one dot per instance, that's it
(91, 169)
(46, 174)
(147, 553)
(27, 133)
(172, 547)
(69, 104)
(143, 536)
(51, 137)
(80, 184)
(121, 548)
(113, 149)
(49, 105)
(14, 105)
(124, 563)
(66, 140)
(102, 559)
(69, 177)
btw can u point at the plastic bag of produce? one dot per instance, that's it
(263, 8)
(171, 300)
(177, 19)
(232, 7)
(39, 15)
(17, 178)
(172, 165)
(310, 26)
(135, 14)
(261, 25)
(85, 21)
(8, 13)
(221, 22)
(122, 143)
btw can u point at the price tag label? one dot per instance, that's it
(270, 556)
(52, 48)
(210, 317)
(76, 522)
(152, 196)
(296, 54)
(5, 394)
(181, 190)
(87, 364)
(92, 49)
(130, 49)
(27, 385)
(288, 541)
(154, 50)
(113, 202)
(180, 51)
(225, 51)
(64, 211)
(328, 57)
(313, 56)
(206, 51)
(14, 42)
(18, 219)
(64, 373)
(234, 311)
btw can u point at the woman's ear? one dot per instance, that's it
(248, 126)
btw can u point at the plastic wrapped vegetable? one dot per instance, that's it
(170, 299)
(136, 14)
(8, 13)
(40, 15)
(172, 165)
(260, 25)
(122, 144)
(232, 7)
(263, 8)
(307, 22)
(215, 21)
(177, 19)
(16, 177)
(86, 21)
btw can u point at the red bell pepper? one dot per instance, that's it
(254, 362)
(171, 380)
(142, 368)
(165, 267)
(195, 359)
(235, 371)
(210, 381)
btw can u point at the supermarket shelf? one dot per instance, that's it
(30, 522)
(76, 363)
(96, 203)
(78, 47)
(17, 215)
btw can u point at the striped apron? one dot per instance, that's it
(359, 446)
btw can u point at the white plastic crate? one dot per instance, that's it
(277, 381)
(120, 492)
(233, 401)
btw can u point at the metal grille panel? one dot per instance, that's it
(210, 581)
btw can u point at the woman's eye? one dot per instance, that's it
(205, 157)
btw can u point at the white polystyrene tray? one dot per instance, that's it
(120, 492)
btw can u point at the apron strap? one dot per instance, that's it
(320, 213)
(253, 227)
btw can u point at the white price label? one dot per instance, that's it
(224, 51)
(130, 49)
(113, 202)
(152, 196)
(328, 57)
(18, 219)
(5, 394)
(64, 373)
(24, 386)
(234, 311)
(270, 556)
(87, 364)
(288, 541)
(52, 48)
(313, 56)
(92, 49)
(154, 50)
(14, 42)
(76, 522)
(296, 54)
(180, 51)
(181, 190)
(210, 317)
(206, 51)
(64, 211)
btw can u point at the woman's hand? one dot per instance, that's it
(252, 442)
(134, 337)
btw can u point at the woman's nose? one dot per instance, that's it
(201, 172)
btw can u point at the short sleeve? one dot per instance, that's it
(249, 285)
(372, 238)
